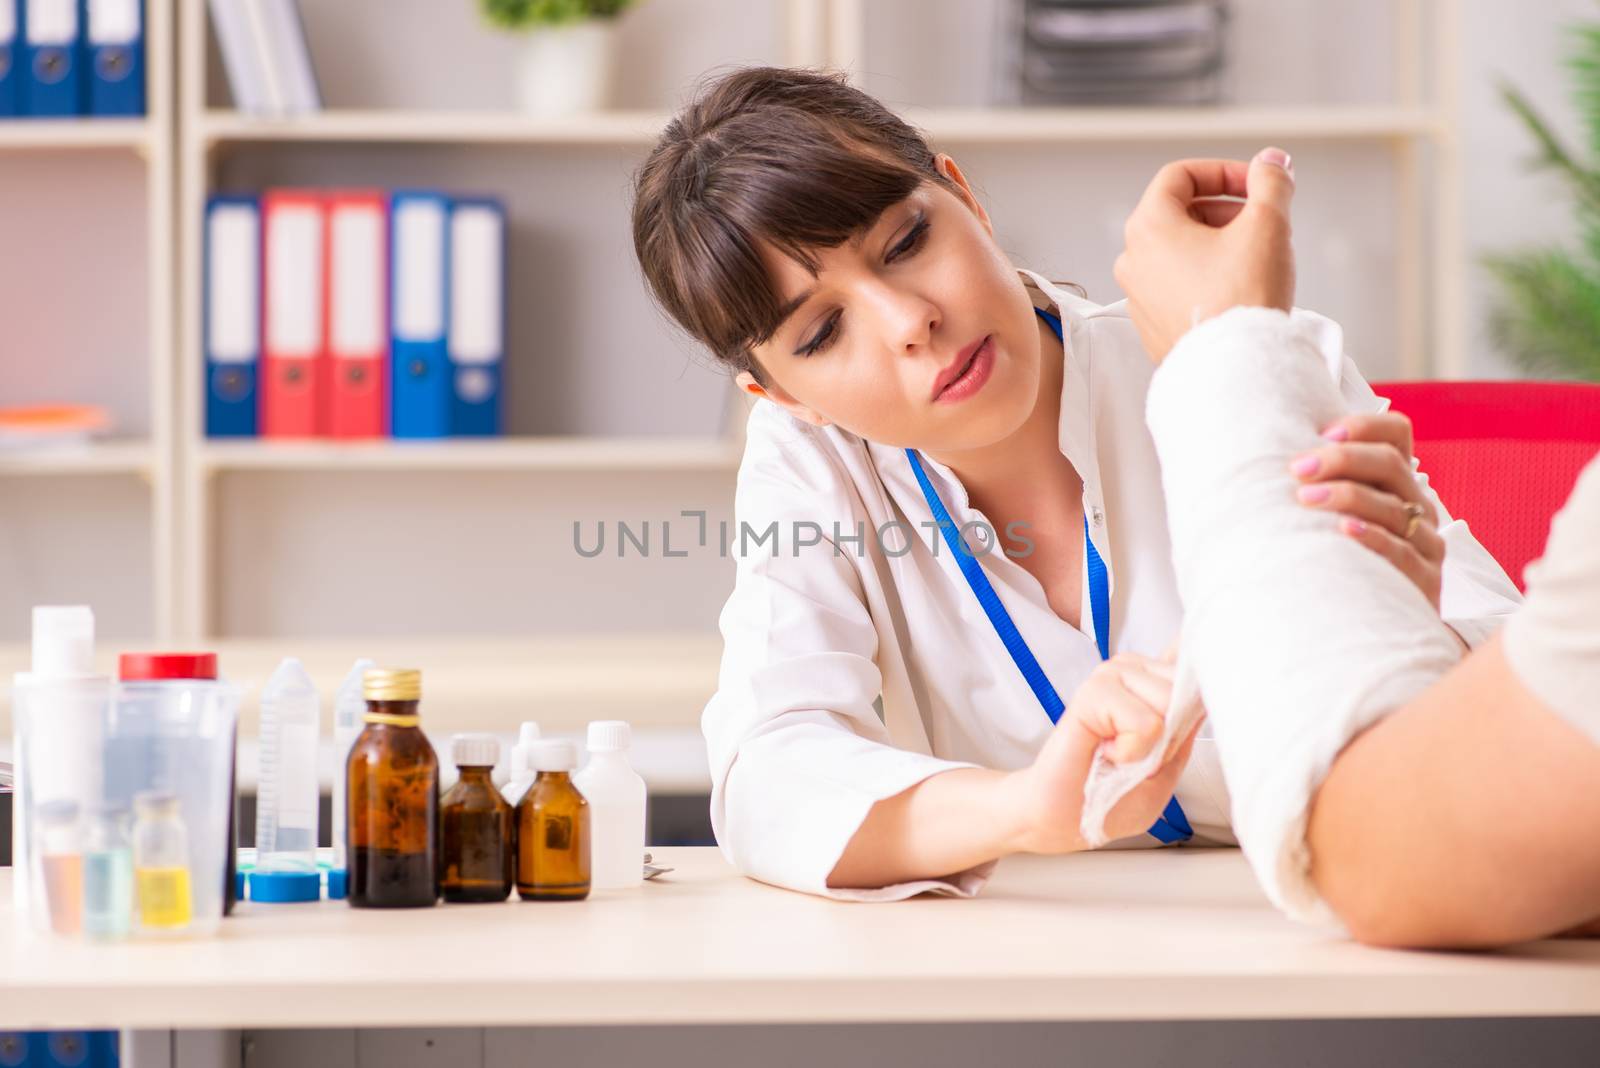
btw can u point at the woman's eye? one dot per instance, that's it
(910, 242)
(823, 339)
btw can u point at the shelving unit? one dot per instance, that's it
(206, 493)
(79, 144)
(101, 458)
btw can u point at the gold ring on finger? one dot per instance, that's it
(1414, 514)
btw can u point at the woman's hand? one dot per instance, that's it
(1364, 474)
(1191, 252)
(1123, 703)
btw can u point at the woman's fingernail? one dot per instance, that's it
(1355, 527)
(1306, 465)
(1337, 433)
(1277, 157)
(1314, 494)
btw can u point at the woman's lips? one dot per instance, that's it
(973, 378)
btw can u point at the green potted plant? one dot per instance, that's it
(567, 61)
(1547, 314)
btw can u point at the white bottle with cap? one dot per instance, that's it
(57, 733)
(616, 796)
(522, 770)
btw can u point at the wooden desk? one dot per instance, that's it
(1179, 934)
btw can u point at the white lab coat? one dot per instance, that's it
(851, 673)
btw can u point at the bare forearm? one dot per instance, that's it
(945, 824)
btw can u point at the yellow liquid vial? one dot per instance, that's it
(164, 899)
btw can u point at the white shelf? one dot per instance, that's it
(1017, 125)
(108, 458)
(1056, 125)
(656, 681)
(47, 134)
(419, 127)
(506, 454)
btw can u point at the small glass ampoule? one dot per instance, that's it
(161, 863)
(61, 857)
(107, 875)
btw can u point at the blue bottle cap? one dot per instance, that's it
(338, 884)
(283, 887)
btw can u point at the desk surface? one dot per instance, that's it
(1180, 934)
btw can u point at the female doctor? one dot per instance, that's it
(950, 512)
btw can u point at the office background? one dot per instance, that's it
(461, 555)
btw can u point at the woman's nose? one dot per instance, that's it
(909, 320)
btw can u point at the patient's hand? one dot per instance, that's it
(1364, 474)
(1190, 255)
(1123, 703)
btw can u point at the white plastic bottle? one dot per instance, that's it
(616, 796)
(348, 708)
(521, 772)
(58, 715)
(286, 796)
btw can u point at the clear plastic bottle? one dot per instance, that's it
(477, 829)
(286, 795)
(348, 708)
(161, 863)
(616, 796)
(521, 772)
(107, 875)
(553, 828)
(394, 799)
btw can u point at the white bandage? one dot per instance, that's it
(1297, 636)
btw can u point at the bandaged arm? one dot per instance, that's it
(1297, 636)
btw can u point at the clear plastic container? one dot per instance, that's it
(286, 792)
(177, 737)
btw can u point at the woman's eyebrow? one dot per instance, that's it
(785, 312)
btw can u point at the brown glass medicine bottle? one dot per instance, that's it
(477, 828)
(552, 828)
(393, 802)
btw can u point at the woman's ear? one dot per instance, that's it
(747, 383)
(946, 166)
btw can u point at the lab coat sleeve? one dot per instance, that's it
(797, 751)
(1476, 596)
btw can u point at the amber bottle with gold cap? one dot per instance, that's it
(393, 802)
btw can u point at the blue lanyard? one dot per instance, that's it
(1173, 825)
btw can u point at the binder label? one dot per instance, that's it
(419, 267)
(233, 329)
(476, 285)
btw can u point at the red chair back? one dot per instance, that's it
(1502, 455)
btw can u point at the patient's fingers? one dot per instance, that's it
(1178, 184)
(1216, 212)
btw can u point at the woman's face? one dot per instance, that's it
(921, 334)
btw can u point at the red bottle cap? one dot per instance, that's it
(145, 667)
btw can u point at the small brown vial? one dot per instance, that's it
(393, 803)
(553, 829)
(477, 827)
